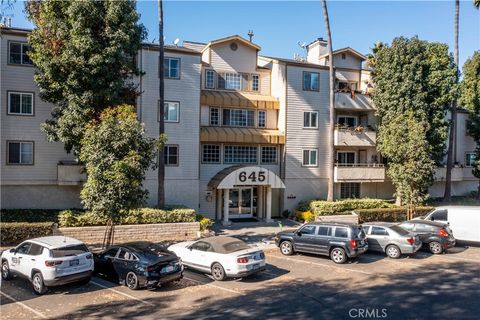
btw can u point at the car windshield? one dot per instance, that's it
(69, 251)
(234, 246)
(358, 233)
(399, 230)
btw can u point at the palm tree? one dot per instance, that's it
(453, 113)
(161, 124)
(476, 3)
(332, 102)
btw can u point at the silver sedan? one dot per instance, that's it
(391, 239)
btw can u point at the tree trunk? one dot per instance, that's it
(453, 113)
(161, 123)
(331, 167)
(398, 200)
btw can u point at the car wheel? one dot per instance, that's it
(131, 280)
(5, 270)
(435, 247)
(338, 255)
(393, 251)
(286, 248)
(218, 273)
(38, 285)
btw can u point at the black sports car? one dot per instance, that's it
(139, 264)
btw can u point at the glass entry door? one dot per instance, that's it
(241, 202)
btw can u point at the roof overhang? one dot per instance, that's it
(236, 176)
(348, 49)
(232, 38)
(241, 135)
(238, 99)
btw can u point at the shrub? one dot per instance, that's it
(15, 232)
(323, 208)
(306, 216)
(29, 215)
(205, 223)
(396, 214)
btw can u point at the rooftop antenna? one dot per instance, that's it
(176, 42)
(304, 47)
(250, 34)
(153, 41)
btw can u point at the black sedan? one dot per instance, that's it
(139, 264)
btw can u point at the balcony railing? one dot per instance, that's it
(70, 173)
(458, 174)
(359, 172)
(356, 137)
(353, 101)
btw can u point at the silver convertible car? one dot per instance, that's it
(390, 238)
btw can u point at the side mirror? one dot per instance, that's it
(190, 248)
(299, 233)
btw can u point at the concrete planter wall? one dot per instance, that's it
(125, 233)
(344, 218)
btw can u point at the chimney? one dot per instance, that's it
(9, 25)
(250, 34)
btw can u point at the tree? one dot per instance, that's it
(414, 80)
(470, 100)
(331, 102)
(161, 124)
(84, 56)
(117, 155)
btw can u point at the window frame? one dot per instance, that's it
(350, 190)
(253, 75)
(347, 116)
(230, 110)
(22, 43)
(178, 111)
(166, 155)
(225, 147)
(9, 92)
(310, 119)
(206, 77)
(466, 157)
(219, 153)
(341, 228)
(310, 87)
(20, 141)
(219, 114)
(264, 112)
(309, 157)
(179, 68)
(346, 152)
(276, 155)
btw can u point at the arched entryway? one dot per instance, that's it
(243, 191)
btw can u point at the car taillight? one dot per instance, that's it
(89, 256)
(242, 260)
(49, 263)
(411, 240)
(353, 244)
(443, 233)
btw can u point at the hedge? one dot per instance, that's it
(205, 223)
(325, 208)
(29, 215)
(305, 216)
(396, 214)
(15, 232)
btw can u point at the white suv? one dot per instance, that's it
(48, 261)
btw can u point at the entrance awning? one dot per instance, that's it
(238, 99)
(235, 176)
(241, 135)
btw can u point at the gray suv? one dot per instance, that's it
(340, 241)
(391, 239)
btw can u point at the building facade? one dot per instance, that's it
(247, 134)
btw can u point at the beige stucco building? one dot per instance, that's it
(247, 134)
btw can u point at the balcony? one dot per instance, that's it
(359, 172)
(353, 101)
(70, 174)
(358, 137)
(458, 174)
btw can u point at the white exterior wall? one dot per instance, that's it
(350, 61)
(222, 57)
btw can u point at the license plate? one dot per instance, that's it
(167, 269)
(74, 262)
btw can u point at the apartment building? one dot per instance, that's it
(247, 134)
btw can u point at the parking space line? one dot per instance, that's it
(122, 293)
(41, 315)
(214, 286)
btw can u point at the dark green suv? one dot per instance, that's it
(340, 241)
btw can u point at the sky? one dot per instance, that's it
(279, 25)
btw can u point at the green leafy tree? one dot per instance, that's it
(413, 79)
(83, 52)
(470, 100)
(117, 155)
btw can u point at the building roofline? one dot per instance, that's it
(351, 50)
(170, 48)
(292, 62)
(230, 38)
(18, 31)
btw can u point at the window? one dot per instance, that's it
(440, 215)
(171, 68)
(309, 157)
(35, 250)
(231, 81)
(111, 253)
(349, 190)
(255, 82)
(238, 117)
(20, 103)
(344, 56)
(378, 231)
(311, 81)
(407, 226)
(347, 121)
(202, 246)
(365, 229)
(23, 248)
(68, 251)
(240, 154)
(125, 255)
(18, 53)
(171, 111)
(20, 152)
(324, 231)
(211, 153)
(341, 232)
(269, 155)
(470, 159)
(346, 157)
(308, 230)
(310, 119)
(214, 117)
(262, 119)
(171, 155)
(210, 79)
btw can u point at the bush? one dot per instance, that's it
(397, 214)
(324, 208)
(306, 216)
(205, 223)
(29, 215)
(15, 232)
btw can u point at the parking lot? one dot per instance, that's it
(300, 286)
